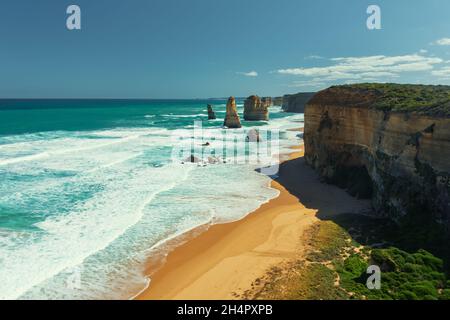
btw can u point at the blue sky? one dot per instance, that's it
(216, 48)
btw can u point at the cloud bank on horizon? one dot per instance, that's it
(377, 68)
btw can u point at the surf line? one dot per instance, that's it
(48, 154)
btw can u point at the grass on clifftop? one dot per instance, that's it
(423, 99)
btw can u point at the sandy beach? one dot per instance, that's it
(229, 260)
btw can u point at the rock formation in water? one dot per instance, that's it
(267, 102)
(232, 120)
(296, 102)
(256, 109)
(211, 114)
(253, 136)
(387, 142)
(192, 159)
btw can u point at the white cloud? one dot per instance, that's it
(366, 68)
(423, 51)
(443, 42)
(248, 74)
(442, 73)
(314, 57)
(313, 83)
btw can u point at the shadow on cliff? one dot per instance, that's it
(354, 215)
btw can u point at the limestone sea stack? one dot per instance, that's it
(232, 120)
(387, 142)
(267, 101)
(211, 114)
(256, 109)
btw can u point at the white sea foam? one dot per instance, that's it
(43, 149)
(131, 201)
(185, 115)
(69, 239)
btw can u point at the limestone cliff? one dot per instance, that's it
(232, 120)
(256, 109)
(277, 101)
(296, 102)
(390, 143)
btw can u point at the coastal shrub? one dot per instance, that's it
(405, 276)
(422, 289)
(407, 295)
(429, 260)
(355, 266)
(445, 294)
(382, 258)
(423, 99)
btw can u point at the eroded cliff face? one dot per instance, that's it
(400, 160)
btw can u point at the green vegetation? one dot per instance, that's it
(336, 265)
(405, 276)
(423, 99)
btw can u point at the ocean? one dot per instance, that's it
(92, 189)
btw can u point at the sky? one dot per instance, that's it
(216, 48)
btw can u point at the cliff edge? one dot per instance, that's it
(387, 142)
(296, 102)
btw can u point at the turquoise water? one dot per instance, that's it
(91, 189)
(30, 116)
